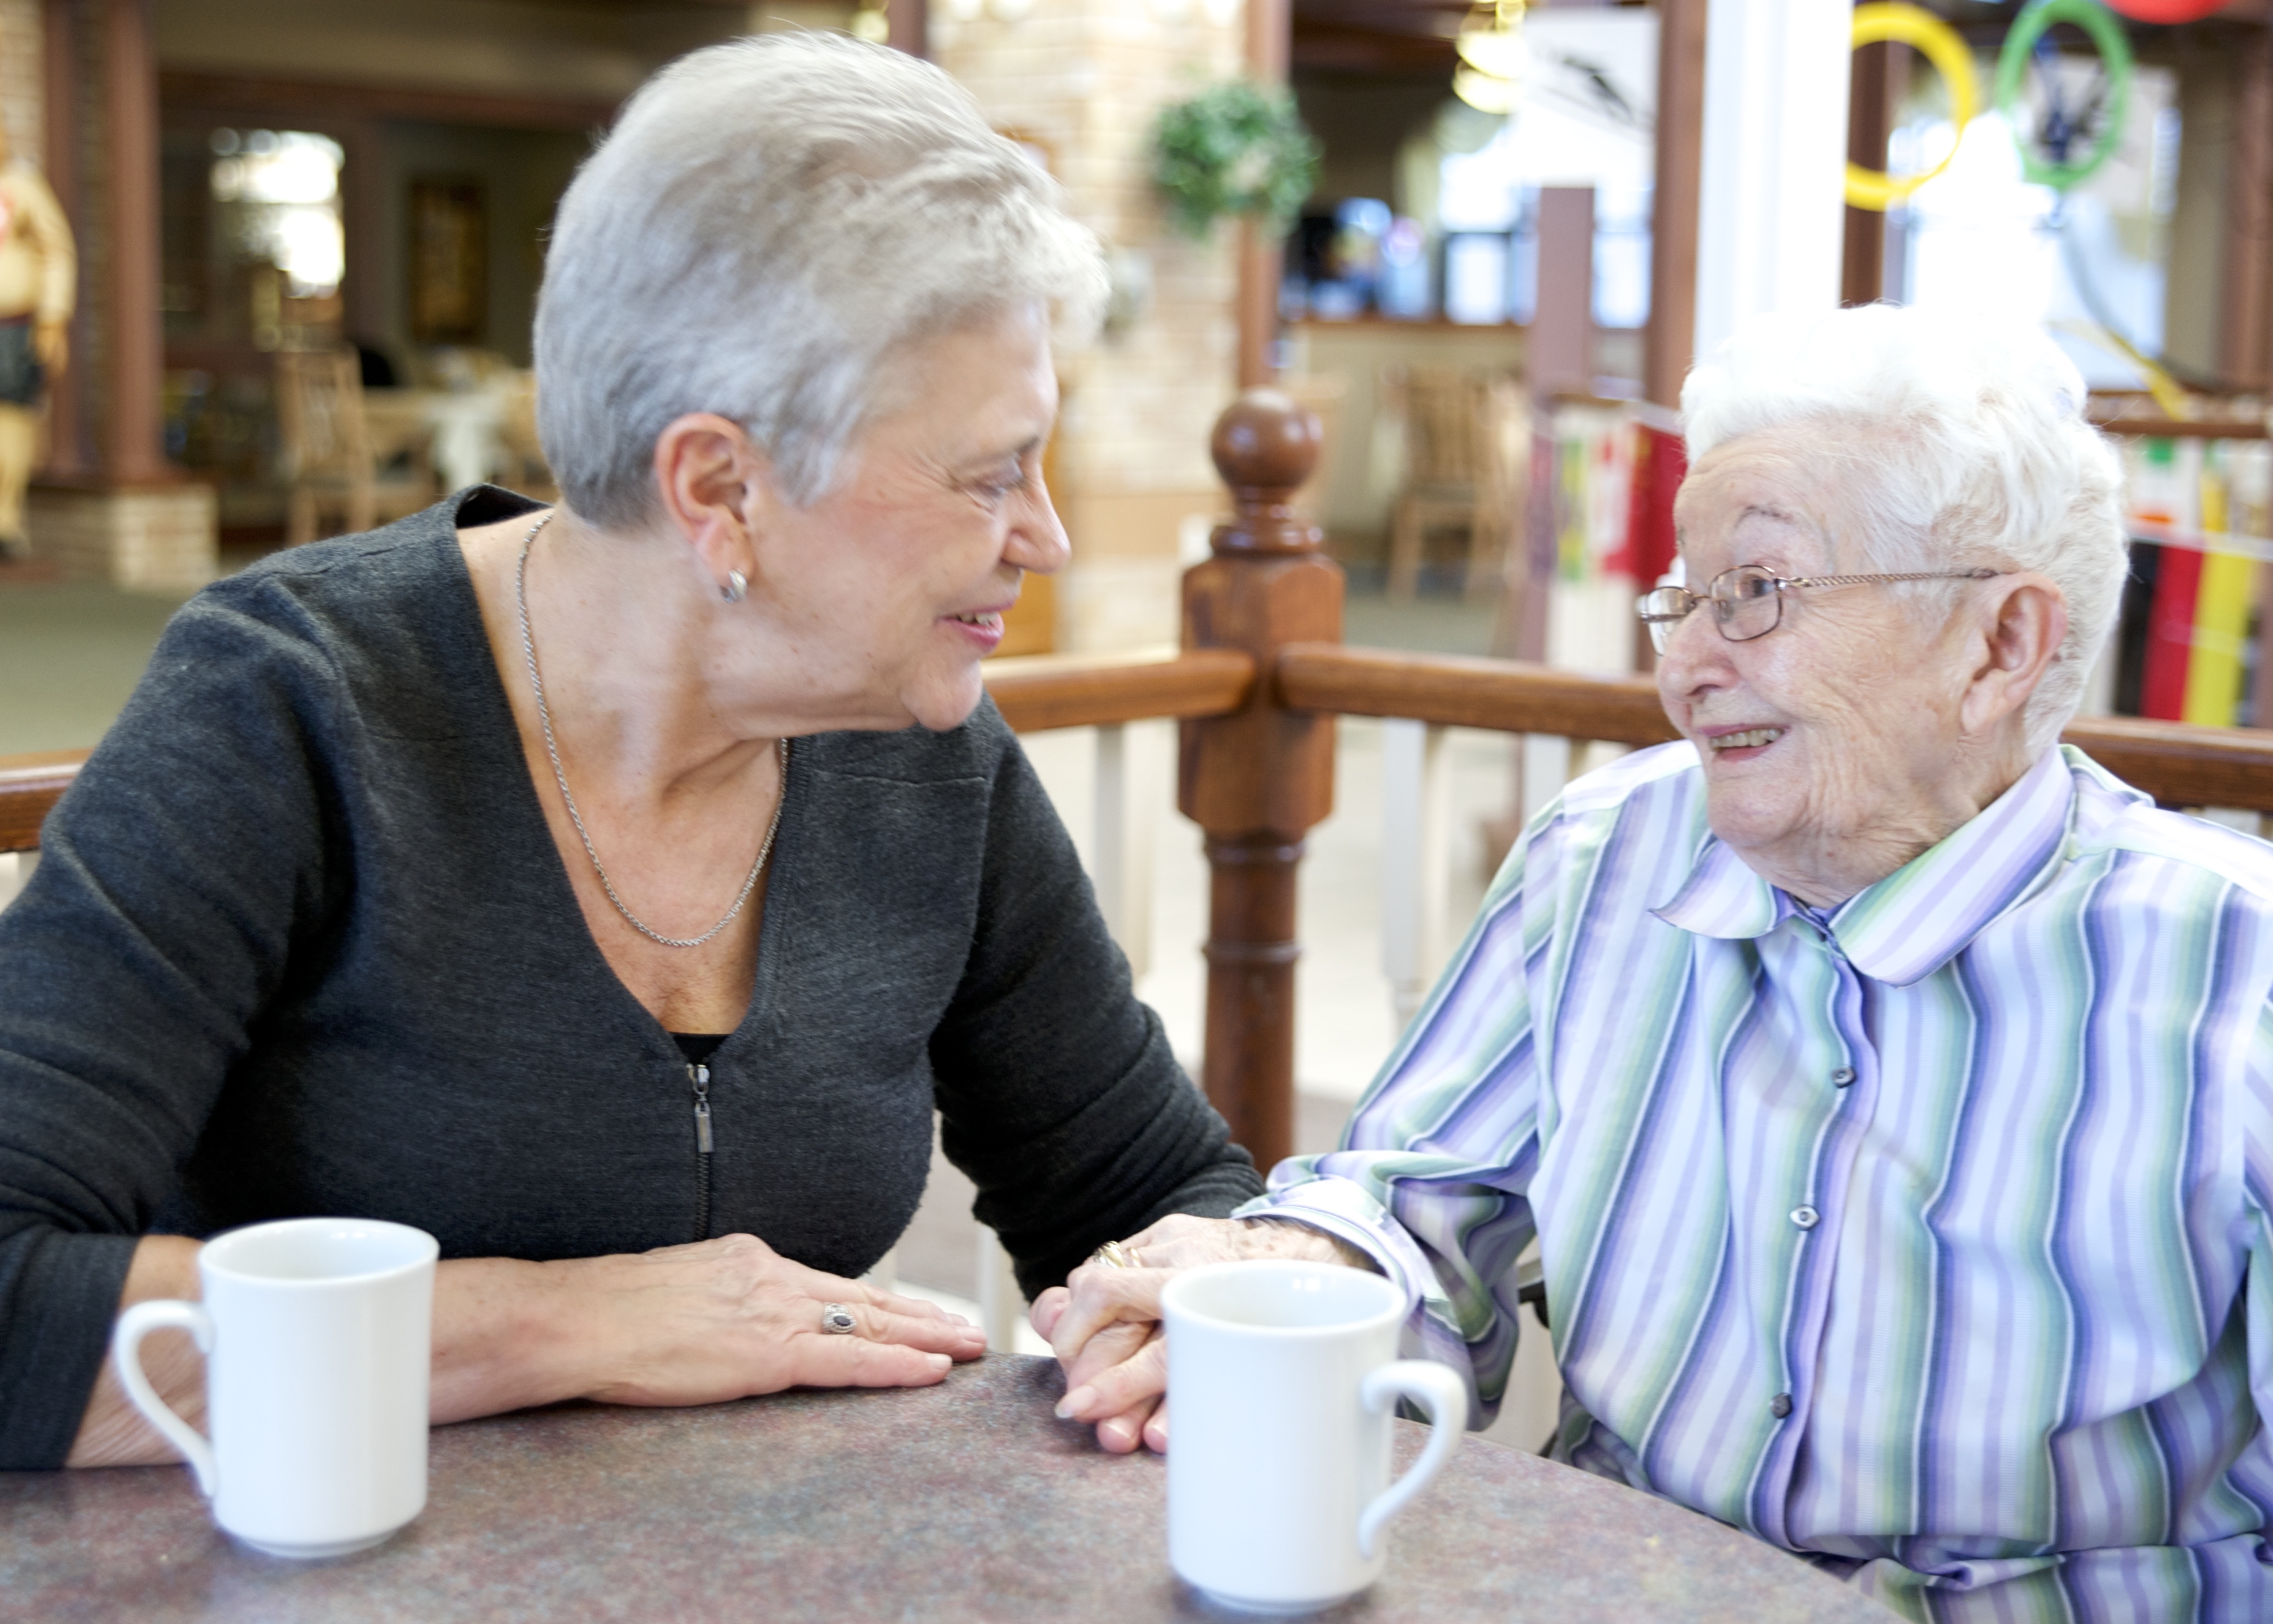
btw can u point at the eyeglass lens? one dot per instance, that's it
(1746, 605)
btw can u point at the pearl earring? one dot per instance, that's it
(736, 585)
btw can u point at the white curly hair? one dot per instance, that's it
(1958, 445)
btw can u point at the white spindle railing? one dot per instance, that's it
(15, 874)
(1125, 795)
(1415, 858)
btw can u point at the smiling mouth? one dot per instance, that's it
(986, 621)
(1746, 740)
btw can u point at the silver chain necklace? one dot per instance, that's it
(552, 749)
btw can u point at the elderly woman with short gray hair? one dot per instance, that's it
(616, 889)
(1888, 1089)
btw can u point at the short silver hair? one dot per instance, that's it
(1956, 445)
(772, 221)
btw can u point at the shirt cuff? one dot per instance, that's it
(1342, 1208)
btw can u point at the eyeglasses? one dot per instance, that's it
(1748, 600)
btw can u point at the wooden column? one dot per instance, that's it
(2246, 328)
(59, 160)
(1257, 780)
(363, 224)
(1560, 357)
(2245, 336)
(132, 448)
(1270, 25)
(909, 25)
(1671, 341)
(1559, 362)
(1869, 121)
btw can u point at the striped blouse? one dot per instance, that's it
(1927, 1236)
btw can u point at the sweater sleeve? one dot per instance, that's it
(1058, 1093)
(171, 880)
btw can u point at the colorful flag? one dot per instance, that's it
(2194, 653)
(1660, 462)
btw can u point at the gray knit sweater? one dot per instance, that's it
(300, 942)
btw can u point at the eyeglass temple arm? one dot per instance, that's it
(1857, 580)
(1642, 610)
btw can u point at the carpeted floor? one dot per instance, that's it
(70, 652)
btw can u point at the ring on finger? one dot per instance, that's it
(837, 1319)
(1113, 1255)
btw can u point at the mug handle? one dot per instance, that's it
(127, 1358)
(1445, 1397)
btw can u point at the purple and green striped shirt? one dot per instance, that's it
(1927, 1236)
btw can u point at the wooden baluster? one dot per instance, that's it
(1257, 780)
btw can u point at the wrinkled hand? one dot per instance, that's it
(1104, 1323)
(731, 1317)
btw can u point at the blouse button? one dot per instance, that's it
(1779, 1406)
(1845, 1075)
(1806, 1217)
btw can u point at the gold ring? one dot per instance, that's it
(1113, 1255)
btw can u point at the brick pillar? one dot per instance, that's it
(132, 449)
(68, 456)
(130, 517)
(1270, 25)
(1084, 80)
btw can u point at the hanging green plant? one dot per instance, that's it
(1236, 149)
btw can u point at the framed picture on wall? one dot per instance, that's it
(449, 260)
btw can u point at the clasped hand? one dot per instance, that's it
(1104, 1323)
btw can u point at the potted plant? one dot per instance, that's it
(1236, 148)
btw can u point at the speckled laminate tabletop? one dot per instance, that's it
(966, 1501)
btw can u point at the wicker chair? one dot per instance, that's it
(1464, 465)
(329, 462)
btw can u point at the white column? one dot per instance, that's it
(15, 874)
(1774, 160)
(1416, 859)
(1001, 1305)
(1108, 855)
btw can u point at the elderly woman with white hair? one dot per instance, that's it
(1888, 1089)
(616, 889)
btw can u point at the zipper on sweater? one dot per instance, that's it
(699, 1075)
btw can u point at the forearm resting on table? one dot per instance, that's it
(504, 1339)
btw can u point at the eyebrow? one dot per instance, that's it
(1031, 443)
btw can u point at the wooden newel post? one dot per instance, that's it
(1257, 780)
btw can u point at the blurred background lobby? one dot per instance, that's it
(309, 234)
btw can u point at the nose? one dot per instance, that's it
(1695, 660)
(1037, 541)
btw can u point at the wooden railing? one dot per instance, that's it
(1256, 687)
(1507, 696)
(29, 788)
(1036, 693)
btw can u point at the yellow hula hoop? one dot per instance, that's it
(1940, 44)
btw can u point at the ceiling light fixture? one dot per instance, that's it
(1493, 55)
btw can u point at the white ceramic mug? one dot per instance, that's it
(318, 1337)
(1283, 1378)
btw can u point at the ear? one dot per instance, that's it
(2019, 624)
(715, 488)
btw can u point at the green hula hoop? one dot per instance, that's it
(2115, 50)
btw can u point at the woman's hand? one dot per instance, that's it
(682, 1325)
(1104, 1323)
